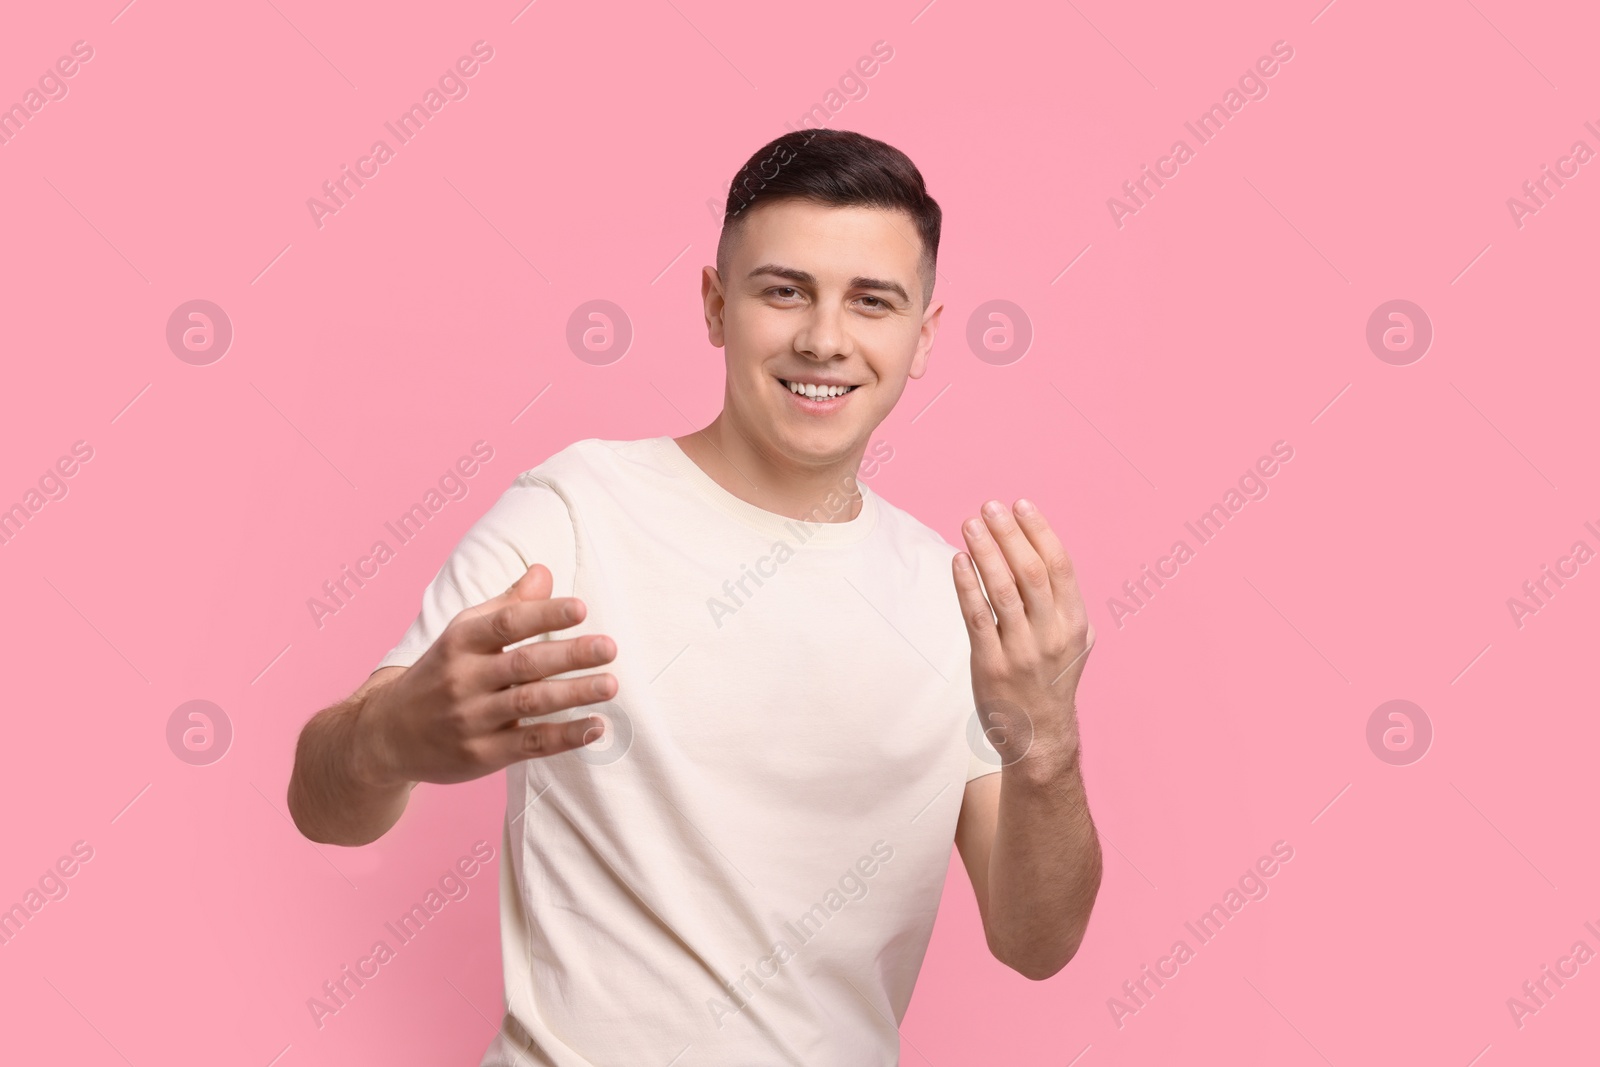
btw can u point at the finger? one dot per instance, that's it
(535, 583)
(538, 660)
(1063, 576)
(493, 626)
(1027, 569)
(975, 610)
(535, 580)
(541, 698)
(998, 584)
(544, 739)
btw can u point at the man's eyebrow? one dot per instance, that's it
(806, 278)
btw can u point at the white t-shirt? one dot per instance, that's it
(745, 869)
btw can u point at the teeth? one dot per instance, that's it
(818, 390)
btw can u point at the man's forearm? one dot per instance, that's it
(328, 798)
(1044, 868)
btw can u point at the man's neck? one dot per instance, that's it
(773, 482)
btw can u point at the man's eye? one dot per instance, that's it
(780, 290)
(879, 300)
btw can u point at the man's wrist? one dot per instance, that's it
(1049, 760)
(369, 765)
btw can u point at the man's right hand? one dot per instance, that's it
(452, 716)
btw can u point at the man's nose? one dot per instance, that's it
(823, 335)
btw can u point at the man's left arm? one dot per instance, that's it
(1025, 834)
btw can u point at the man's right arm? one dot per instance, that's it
(334, 796)
(453, 715)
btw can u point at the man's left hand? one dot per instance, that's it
(1028, 653)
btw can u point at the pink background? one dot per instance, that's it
(1227, 314)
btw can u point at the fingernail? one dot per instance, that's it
(974, 527)
(1025, 507)
(994, 509)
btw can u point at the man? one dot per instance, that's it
(735, 856)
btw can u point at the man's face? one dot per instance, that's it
(817, 294)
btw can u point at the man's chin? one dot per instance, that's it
(817, 446)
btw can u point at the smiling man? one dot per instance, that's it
(729, 847)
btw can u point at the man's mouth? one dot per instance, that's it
(817, 392)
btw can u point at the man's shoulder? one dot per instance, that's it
(917, 559)
(588, 459)
(911, 534)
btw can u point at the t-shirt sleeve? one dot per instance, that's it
(530, 523)
(982, 758)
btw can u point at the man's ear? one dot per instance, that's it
(712, 296)
(930, 329)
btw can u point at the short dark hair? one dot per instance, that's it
(840, 168)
